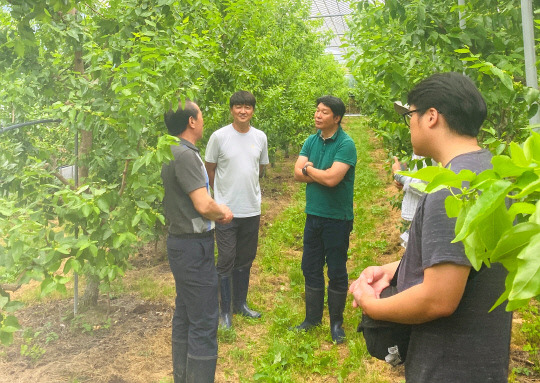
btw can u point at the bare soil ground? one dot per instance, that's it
(127, 339)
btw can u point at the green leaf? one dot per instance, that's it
(512, 242)
(518, 155)
(103, 205)
(505, 167)
(533, 110)
(505, 79)
(494, 226)
(528, 183)
(48, 286)
(488, 201)
(427, 173)
(531, 147)
(521, 208)
(453, 206)
(3, 301)
(527, 281)
(129, 64)
(135, 220)
(6, 338)
(142, 204)
(19, 47)
(451, 179)
(531, 95)
(86, 210)
(13, 306)
(475, 250)
(137, 164)
(504, 296)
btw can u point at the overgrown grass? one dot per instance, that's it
(279, 354)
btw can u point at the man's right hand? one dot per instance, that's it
(228, 215)
(396, 167)
(376, 277)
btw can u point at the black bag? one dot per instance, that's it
(387, 341)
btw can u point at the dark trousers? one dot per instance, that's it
(195, 319)
(237, 244)
(326, 241)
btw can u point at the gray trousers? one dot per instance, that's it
(195, 319)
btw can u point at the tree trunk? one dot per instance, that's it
(91, 291)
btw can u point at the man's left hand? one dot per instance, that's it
(362, 290)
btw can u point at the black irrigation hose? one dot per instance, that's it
(27, 123)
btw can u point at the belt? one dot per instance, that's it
(206, 234)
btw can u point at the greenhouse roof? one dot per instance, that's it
(333, 13)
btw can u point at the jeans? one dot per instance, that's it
(195, 319)
(326, 241)
(237, 244)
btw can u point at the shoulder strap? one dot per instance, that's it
(393, 282)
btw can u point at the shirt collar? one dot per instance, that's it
(334, 136)
(188, 144)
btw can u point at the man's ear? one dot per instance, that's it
(432, 116)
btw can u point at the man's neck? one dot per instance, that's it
(454, 148)
(241, 127)
(327, 133)
(188, 137)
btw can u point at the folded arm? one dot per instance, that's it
(329, 177)
(436, 297)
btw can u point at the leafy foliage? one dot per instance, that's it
(109, 71)
(395, 43)
(484, 222)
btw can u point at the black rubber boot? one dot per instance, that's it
(201, 370)
(336, 305)
(179, 357)
(314, 309)
(240, 290)
(225, 315)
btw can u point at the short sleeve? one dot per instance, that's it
(264, 160)
(346, 153)
(189, 172)
(306, 148)
(438, 232)
(212, 149)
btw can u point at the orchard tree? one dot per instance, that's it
(109, 71)
(393, 44)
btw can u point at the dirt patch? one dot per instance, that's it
(125, 339)
(106, 344)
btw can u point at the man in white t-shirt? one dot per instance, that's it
(235, 159)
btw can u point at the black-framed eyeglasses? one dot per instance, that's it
(407, 116)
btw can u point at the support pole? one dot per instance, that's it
(530, 55)
(75, 274)
(461, 4)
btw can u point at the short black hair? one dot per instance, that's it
(335, 104)
(242, 97)
(177, 122)
(456, 97)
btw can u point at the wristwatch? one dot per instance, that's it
(304, 169)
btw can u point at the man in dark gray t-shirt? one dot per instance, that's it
(191, 212)
(454, 337)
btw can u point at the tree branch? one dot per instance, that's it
(124, 176)
(59, 176)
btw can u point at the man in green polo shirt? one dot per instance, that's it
(326, 164)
